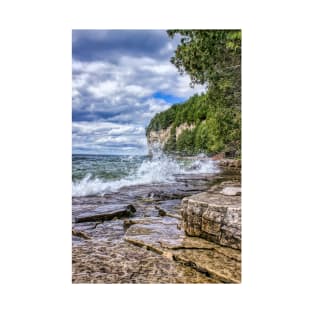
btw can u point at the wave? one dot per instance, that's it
(160, 169)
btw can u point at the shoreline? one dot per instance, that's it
(112, 251)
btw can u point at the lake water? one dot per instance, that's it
(101, 174)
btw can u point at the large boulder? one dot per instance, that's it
(214, 216)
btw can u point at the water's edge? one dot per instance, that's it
(107, 258)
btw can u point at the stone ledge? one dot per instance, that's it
(213, 216)
(161, 235)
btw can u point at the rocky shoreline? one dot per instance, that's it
(183, 232)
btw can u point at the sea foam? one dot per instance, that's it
(159, 169)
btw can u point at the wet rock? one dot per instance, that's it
(162, 236)
(131, 208)
(150, 195)
(149, 248)
(80, 234)
(105, 213)
(84, 227)
(174, 215)
(161, 211)
(215, 217)
(127, 223)
(231, 191)
(151, 231)
(231, 163)
(127, 263)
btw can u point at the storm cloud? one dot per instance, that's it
(110, 45)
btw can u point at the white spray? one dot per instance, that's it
(159, 169)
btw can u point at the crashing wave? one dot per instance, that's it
(159, 169)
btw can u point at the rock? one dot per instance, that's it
(168, 209)
(147, 248)
(232, 163)
(105, 213)
(161, 211)
(231, 191)
(174, 215)
(162, 236)
(131, 208)
(80, 234)
(215, 217)
(127, 223)
(216, 265)
(150, 195)
(157, 139)
(238, 163)
(218, 156)
(149, 231)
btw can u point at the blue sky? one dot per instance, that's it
(120, 80)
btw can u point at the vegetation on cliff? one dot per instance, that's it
(211, 58)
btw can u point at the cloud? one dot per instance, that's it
(108, 137)
(93, 45)
(103, 89)
(121, 78)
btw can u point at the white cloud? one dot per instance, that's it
(126, 83)
(103, 89)
(138, 91)
(98, 136)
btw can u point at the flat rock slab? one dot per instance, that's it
(214, 200)
(97, 262)
(218, 266)
(231, 191)
(104, 213)
(152, 232)
(162, 236)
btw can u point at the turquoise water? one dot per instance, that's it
(109, 167)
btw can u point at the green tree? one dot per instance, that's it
(203, 54)
(212, 58)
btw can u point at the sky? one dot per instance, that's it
(120, 80)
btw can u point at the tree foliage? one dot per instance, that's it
(211, 58)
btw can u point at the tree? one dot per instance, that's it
(202, 54)
(211, 58)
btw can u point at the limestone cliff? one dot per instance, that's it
(160, 137)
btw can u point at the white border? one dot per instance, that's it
(36, 156)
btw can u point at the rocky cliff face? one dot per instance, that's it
(159, 138)
(183, 127)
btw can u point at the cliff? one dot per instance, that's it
(158, 138)
(162, 137)
(198, 125)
